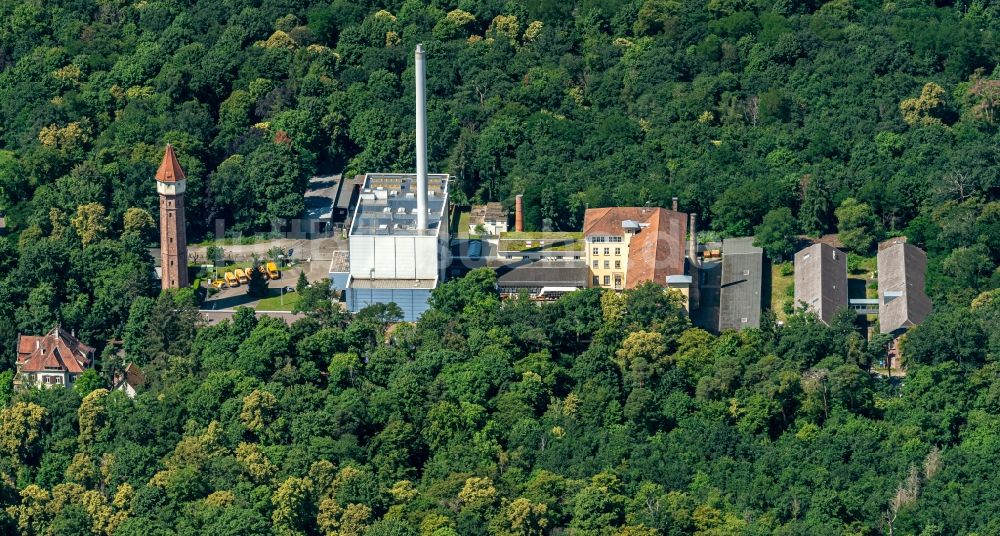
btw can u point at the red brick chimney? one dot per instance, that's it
(519, 213)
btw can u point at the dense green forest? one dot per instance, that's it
(594, 414)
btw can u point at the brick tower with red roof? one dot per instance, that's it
(170, 184)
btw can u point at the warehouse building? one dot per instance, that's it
(540, 279)
(742, 279)
(902, 302)
(821, 280)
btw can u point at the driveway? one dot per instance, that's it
(314, 249)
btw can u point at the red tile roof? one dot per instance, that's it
(655, 252)
(57, 351)
(170, 170)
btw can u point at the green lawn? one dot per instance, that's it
(464, 214)
(277, 303)
(862, 270)
(541, 241)
(780, 285)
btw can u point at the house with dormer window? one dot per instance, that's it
(55, 359)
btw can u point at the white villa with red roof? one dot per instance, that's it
(55, 359)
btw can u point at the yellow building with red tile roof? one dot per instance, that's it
(628, 246)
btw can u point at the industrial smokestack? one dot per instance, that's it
(519, 213)
(693, 241)
(421, 141)
(675, 204)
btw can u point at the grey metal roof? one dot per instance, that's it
(541, 273)
(387, 205)
(392, 283)
(902, 271)
(742, 278)
(821, 280)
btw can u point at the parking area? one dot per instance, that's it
(281, 295)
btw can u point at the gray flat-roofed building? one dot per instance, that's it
(742, 279)
(902, 302)
(541, 278)
(821, 280)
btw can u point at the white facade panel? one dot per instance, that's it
(362, 255)
(384, 258)
(426, 257)
(406, 263)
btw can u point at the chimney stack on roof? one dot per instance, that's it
(519, 213)
(675, 204)
(421, 141)
(693, 240)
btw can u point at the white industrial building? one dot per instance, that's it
(399, 235)
(392, 259)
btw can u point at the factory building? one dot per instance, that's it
(399, 234)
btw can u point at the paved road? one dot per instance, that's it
(214, 317)
(316, 249)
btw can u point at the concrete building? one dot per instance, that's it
(902, 302)
(628, 246)
(740, 298)
(55, 359)
(821, 280)
(171, 184)
(328, 200)
(489, 219)
(399, 234)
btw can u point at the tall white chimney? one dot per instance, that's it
(693, 241)
(421, 141)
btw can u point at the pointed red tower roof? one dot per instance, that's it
(170, 170)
